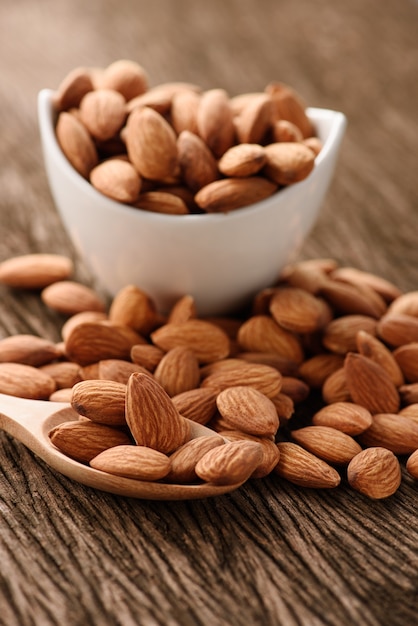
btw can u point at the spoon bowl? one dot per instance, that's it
(30, 421)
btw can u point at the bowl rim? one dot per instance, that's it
(51, 149)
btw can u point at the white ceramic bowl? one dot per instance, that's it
(220, 259)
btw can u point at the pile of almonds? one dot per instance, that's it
(175, 148)
(336, 341)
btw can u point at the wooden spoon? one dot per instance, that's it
(30, 421)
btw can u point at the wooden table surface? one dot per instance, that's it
(269, 553)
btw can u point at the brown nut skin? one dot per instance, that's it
(230, 464)
(375, 472)
(76, 143)
(412, 464)
(151, 144)
(288, 162)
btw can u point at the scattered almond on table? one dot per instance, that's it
(316, 383)
(176, 148)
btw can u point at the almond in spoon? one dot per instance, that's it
(152, 417)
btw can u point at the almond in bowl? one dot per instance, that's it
(207, 202)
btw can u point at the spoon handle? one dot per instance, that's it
(26, 413)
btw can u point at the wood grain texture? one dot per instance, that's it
(268, 554)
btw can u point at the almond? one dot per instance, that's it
(303, 468)
(299, 311)
(70, 297)
(230, 464)
(247, 409)
(125, 76)
(328, 443)
(161, 202)
(133, 307)
(182, 310)
(412, 464)
(306, 275)
(206, 340)
(335, 388)
(91, 342)
(184, 459)
(271, 452)
(28, 349)
(152, 417)
(340, 335)
(406, 357)
(183, 112)
(25, 381)
(285, 407)
(61, 395)
(349, 299)
(118, 370)
(198, 405)
(405, 304)
(35, 271)
(371, 347)
(348, 417)
(146, 355)
(283, 130)
(315, 370)
(394, 432)
(239, 102)
(242, 160)
(323, 265)
(65, 373)
(178, 371)
(116, 179)
(288, 105)
(260, 333)
(79, 318)
(151, 144)
(136, 462)
(72, 89)
(265, 379)
(76, 144)
(154, 99)
(103, 113)
(288, 162)
(102, 401)
(229, 194)
(369, 384)
(254, 121)
(313, 143)
(357, 277)
(83, 440)
(375, 300)
(398, 329)
(375, 473)
(215, 122)
(198, 166)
